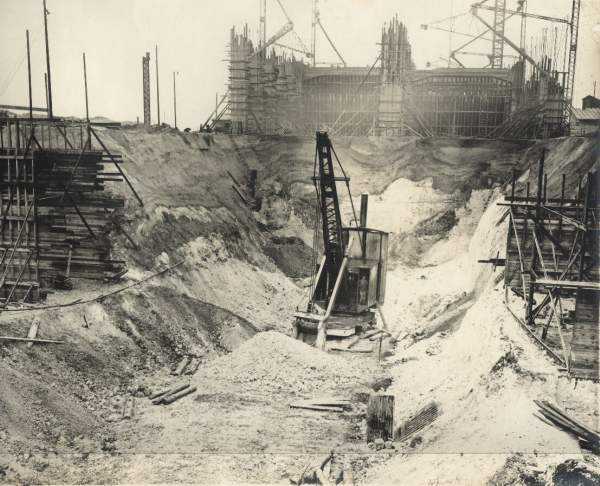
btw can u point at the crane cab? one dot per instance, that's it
(364, 284)
(361, 289)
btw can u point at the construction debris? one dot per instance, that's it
(310, 474)
(180, 368)
(193, 365)
(324, 404)
(418, 421)
(318, 408)
(128, 408)
(33, 330)
(354, 350)
(589, 439)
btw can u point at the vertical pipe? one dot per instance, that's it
(29, 76)
(157, 91)
(50, 112)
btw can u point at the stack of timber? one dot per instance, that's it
(55, 218)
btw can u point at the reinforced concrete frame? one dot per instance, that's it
(273, 94)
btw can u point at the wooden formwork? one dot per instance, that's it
(552, 264)
(55, 215)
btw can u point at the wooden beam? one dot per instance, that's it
(23, 108)
(569, 284)
(31, 340)
(117, 166)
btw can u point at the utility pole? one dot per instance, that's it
(315, 20)
(29, 75)
(50, 112)
(87, 111)
(46, 90)
(157, 92)
(146, 88)
(175, 98)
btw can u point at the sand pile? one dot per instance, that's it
(272, 362)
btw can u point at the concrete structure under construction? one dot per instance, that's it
(271, 93)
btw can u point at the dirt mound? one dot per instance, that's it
(272, 361)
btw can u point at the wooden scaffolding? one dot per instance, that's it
(55, 216)
(552, 266)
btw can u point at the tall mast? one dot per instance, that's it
(315, 20)
(50, 112)
(29, 76)
(157, 92)
(174, 99)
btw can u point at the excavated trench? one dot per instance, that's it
(238, 273)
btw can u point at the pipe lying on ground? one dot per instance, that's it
(162, 396)
(176, 396)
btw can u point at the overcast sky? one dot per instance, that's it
(192, 38)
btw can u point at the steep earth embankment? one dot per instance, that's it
(242, 272)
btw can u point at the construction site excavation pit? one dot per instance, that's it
(372, 258)
(185, 368)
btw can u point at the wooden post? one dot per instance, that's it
(530, 318)
(364, 203)
(586, 205)
(253, 174)
(512, 189)
(380, 418)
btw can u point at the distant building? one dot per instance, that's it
(590, 102)
(585, 120)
